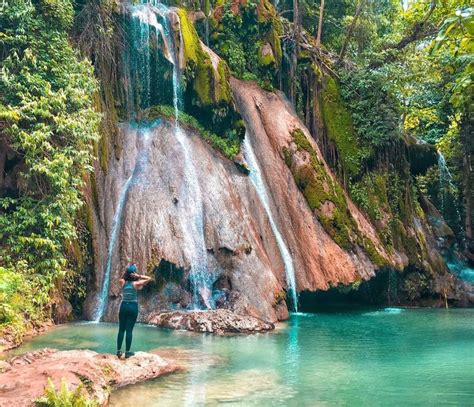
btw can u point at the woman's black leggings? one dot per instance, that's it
(127, 317)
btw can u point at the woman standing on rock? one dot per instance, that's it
(130, 282)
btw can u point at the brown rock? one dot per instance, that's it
(220, 322)
(26, 376)
(62, 311)
(239, 240)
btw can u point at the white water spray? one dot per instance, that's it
(257, 180)
(447, 187)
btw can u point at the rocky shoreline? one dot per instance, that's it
(10, 340)
(23, 378)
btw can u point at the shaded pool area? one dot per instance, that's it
(373, 357)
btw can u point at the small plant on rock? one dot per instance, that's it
(64, 397)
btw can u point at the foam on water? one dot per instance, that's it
(386, 311)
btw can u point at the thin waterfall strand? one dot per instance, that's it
(257, 180)
(116, 223)
(446, 186)
(140, 165)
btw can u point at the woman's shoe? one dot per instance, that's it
(119, 354)
(129, 354)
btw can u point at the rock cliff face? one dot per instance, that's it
(245, 268)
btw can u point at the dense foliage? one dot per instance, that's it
(382, 77)
(404, 73)
(47, 125)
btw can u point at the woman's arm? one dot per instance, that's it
(142, 282)
(121, 282)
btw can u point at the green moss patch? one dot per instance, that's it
(340, 129)
(240, 31)
(327, 199)
(228, 147)
(211, 86)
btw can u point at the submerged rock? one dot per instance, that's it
(219, 322)
(25, 377)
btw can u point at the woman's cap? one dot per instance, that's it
(132, 268)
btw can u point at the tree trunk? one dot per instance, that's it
(351, 28)
(468, 147)
(294, 58)
(320, 24)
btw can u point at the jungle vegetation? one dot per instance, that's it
(367, 77)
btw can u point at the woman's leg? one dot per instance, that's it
(132, 318)
(122, 326)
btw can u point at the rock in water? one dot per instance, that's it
(220, 322)
(25, 377)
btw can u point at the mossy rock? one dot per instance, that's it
(265, 55)
(340, 129)
(321, 191)
(229, 148)
(211, 85)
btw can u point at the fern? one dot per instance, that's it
(64, 397)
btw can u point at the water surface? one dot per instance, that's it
(388, 357)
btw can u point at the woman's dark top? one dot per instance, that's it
(129, 292)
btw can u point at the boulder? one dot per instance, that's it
(220, 322)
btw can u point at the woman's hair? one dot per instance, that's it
(130, 273)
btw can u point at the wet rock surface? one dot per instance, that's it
(220, 322)
(240, 246)
(24, 378)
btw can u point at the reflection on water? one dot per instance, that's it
(400, 357)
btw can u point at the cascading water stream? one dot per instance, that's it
(257, 180)
(445, 179)
(193, 210)
(140, 164)
(150, 16)
(447, 187)
(116, 223)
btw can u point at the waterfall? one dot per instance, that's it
(447, 188)
(151, 37)
(445, 180)
(156, 15)
(192, 205)
(257, 180)
(116, 223)
(140, 165)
